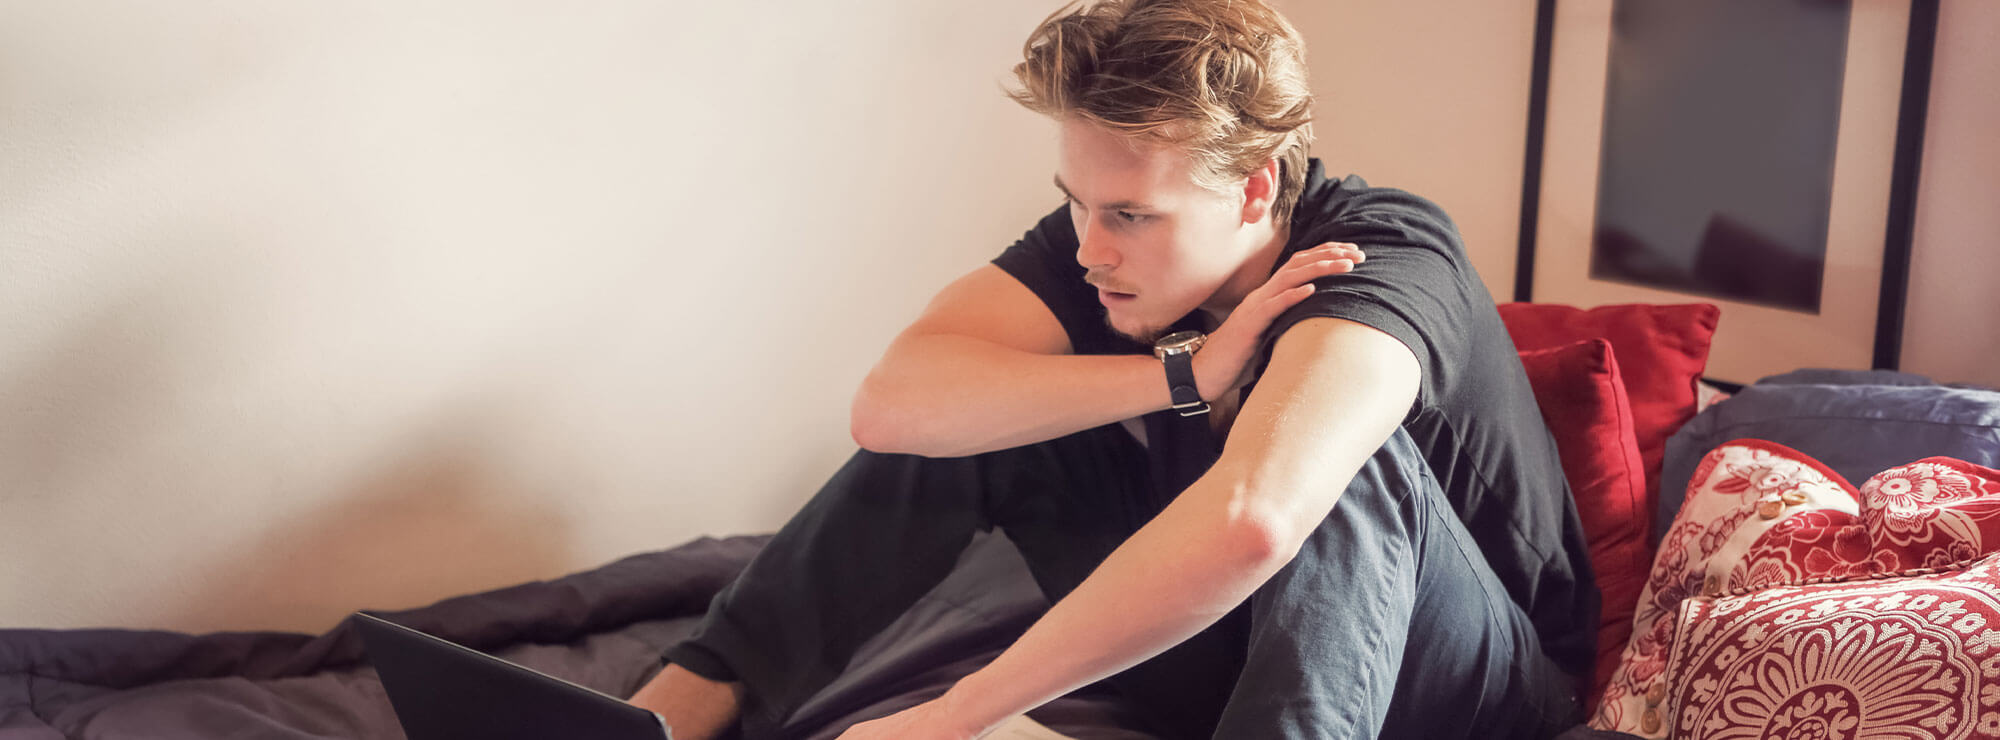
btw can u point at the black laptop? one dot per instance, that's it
(444, 691)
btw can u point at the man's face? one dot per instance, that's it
(1155, 244)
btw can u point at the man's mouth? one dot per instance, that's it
(1112, 297)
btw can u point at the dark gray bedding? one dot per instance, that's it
(601, 628)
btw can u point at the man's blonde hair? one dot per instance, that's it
(1223, 80)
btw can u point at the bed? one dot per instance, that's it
(1617, 386)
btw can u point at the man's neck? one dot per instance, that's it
(1254, 271)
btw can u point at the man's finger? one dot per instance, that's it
(1319, 252)
(1278, 303)
(1344, 249)
(1301, 268)
(1349, 250)
(1311, 270)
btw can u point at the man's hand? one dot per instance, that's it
(930, 720)
(1223, 364)
(695, 707)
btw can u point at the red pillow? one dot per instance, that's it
(1662, 351)
(1583, 401)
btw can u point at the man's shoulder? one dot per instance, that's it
(1331, 209)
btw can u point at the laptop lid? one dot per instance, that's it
(442, 691)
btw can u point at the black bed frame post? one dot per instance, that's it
(1531, 170)
(1911, 118)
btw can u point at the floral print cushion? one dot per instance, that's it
(1915, 656)
(1782, 593)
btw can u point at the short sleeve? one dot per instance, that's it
(1044, 260)
(1415, 283)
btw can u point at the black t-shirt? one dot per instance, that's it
(1475, 416)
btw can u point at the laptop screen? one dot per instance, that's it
(442, 690)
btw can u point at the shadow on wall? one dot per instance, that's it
(163, 466)
(87, 391)
(432, 524)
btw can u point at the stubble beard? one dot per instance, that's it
(1146, 335)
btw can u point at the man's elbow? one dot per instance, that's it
(1264, 542)
(870, 422)
(883, 421)
(876, 437)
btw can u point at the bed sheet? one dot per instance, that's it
(603, 628)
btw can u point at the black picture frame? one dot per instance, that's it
(1556, 219)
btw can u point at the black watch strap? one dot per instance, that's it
(1180, 381)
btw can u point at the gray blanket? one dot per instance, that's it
(602, 628)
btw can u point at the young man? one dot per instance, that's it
(1274, 488)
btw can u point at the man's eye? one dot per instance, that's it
(1130, 217)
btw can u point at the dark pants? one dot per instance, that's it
(1388, 623)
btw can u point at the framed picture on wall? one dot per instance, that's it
(1761, 156)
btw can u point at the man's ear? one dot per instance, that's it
(1260, 191)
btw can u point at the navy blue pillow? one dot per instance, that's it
(1827, 376)
(1858, 423)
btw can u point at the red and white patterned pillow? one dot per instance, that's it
(1931, 513)
(1773, 555)
(1914, 656)
(1739, 493)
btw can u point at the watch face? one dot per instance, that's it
(1186, 341)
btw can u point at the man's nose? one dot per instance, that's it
(1093, 249)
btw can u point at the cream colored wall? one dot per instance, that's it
(1952, 329)
(306, 307)
(1430, 96)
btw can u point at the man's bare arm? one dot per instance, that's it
(987, 366)
(1334, 392)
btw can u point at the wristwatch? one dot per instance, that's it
(1176, 351)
